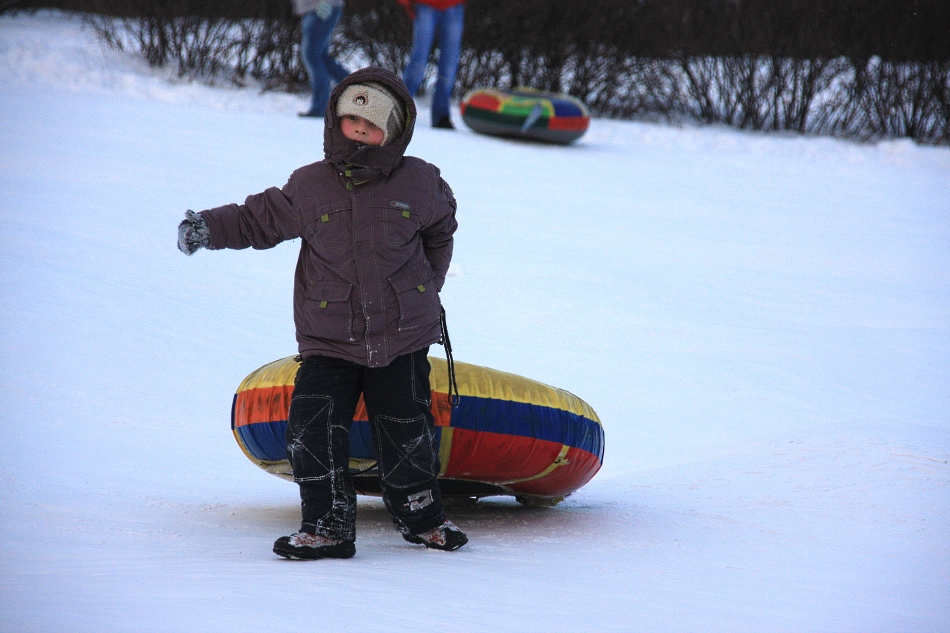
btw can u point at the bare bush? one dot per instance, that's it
(894, 100)
(862, 69)
(228, 49)
(379, 30)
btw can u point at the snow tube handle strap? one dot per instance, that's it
(454, 399)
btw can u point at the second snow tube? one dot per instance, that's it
(525, 113)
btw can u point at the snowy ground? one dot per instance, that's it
(761, 322)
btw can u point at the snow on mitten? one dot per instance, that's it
(193, 233)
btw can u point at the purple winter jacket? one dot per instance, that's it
(376, 240)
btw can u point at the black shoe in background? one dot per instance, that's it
(445, 123)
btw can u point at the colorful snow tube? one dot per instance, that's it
(525, 113)
(508, 436)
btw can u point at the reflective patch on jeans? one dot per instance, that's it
(419, 500)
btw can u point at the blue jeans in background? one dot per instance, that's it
(447, 26)
(321, 67)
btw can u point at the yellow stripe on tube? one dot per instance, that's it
(482, 382)
(560, 460)
(277, 374)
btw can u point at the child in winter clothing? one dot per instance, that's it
(376, 229)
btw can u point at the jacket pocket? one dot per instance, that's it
(327, 230)
(418, 298)
(401, 223)
(328, 312)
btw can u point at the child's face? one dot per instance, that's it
(358, 129)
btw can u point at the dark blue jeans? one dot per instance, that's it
(398, 398)
(447, 25)
(320, 65)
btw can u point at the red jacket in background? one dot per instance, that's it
(440, 5)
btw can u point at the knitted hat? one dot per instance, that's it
(377, 104)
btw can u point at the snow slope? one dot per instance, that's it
(761, 322)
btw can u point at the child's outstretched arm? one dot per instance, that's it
(263, 221)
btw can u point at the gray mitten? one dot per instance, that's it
(193, 233)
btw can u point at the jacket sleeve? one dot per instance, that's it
(437, 240)
(263, 221)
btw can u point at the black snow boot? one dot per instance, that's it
(446, 537)
(306, 546)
